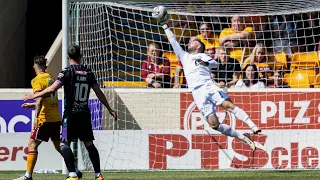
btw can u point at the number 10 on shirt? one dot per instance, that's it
(81, 92)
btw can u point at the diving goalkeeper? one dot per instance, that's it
(197, 69)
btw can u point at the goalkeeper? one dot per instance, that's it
(196, 67)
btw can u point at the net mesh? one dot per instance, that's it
(161, 128)
(229, 8)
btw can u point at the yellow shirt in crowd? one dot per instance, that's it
(236, 53)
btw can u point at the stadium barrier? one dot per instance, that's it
(162, 129)
(14, 151)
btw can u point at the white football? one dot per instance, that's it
(160, 13)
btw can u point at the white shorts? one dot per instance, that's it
(207, 99)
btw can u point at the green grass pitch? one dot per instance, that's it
(175, 175)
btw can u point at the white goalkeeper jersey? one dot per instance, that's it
(196, 74)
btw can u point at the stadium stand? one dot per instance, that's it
(121, 59)
(173, 59)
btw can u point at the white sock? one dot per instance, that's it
(28, 175)
(97, 174)
(243, 116)
(227, 130)
(72, 174)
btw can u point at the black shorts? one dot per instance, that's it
(77, 126)
(47, 130)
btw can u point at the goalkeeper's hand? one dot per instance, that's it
(162, 18)
(163, 23)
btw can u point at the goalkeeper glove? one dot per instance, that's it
(165, 26)
(161, 15)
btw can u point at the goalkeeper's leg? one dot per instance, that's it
(240, 114)
(227, 130)
(206, 102)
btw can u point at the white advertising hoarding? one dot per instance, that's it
(161, 129)
(14, 149)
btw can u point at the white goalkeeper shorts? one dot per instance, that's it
(207, 98)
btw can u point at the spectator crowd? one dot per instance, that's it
(254, 52)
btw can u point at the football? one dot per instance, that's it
(160, 13)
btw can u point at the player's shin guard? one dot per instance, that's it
(68, 159)
(94, 157)
(31, 162)
(227, 130)
(243, 116)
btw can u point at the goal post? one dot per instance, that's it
(65, 44)
(161, 128)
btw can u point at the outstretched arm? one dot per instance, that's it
(28, 105)
(49, 90)
(174, 43)
(104, 100)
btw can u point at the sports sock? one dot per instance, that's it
(94, 157)
(31, 162)
(243, 116)
(227, 130)
(72, 174)
(28, 174)
(69, 160)
(77, 170)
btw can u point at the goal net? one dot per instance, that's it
(161, 128)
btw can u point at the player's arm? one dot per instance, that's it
(174, 43)
(36, 87)
(46, 92)
(237, 36)
(104, 100)
(214, 75)
(235, 75)
(38, 105)
(163, 21)
(28, 105)
(51, 89)
(94, 84)
(177, 76)
(235, 78)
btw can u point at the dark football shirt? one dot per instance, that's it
(77, 81)
(225, 71)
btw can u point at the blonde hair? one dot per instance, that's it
(240, 17)
(252, 58)
(156, 45)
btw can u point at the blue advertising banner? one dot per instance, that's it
(13, 118)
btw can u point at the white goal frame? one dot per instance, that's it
(66, 42)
